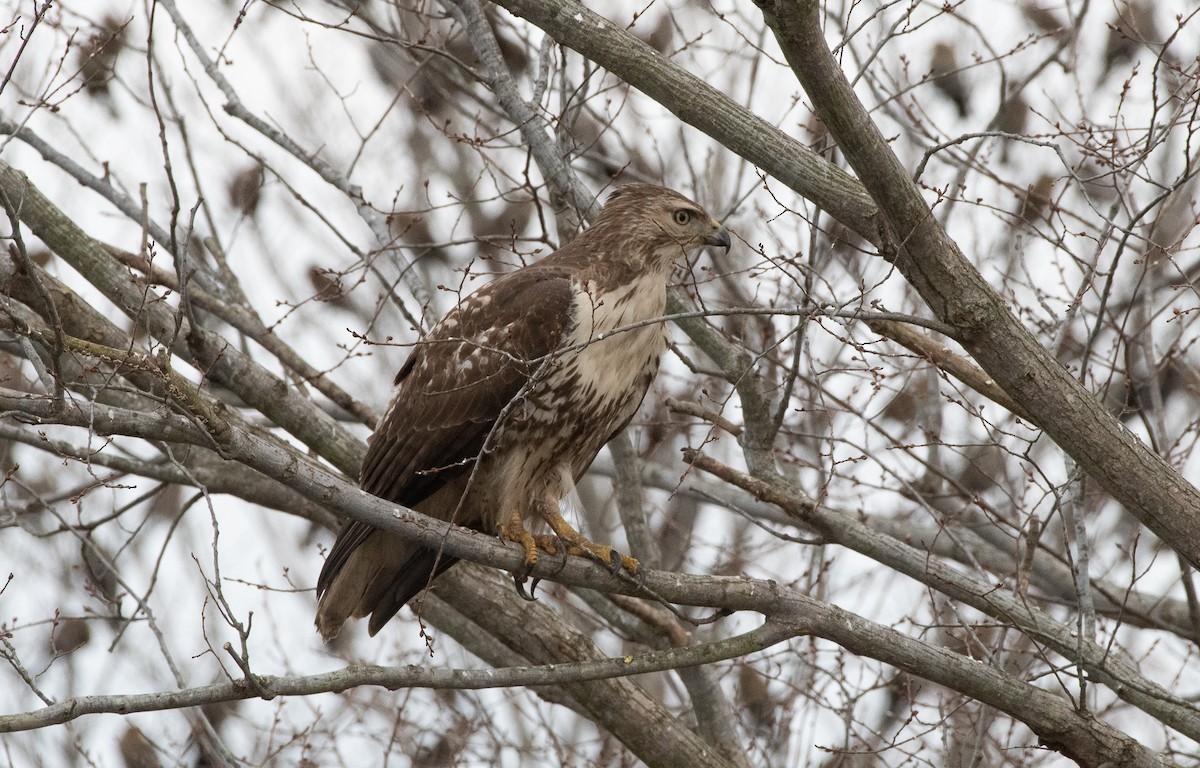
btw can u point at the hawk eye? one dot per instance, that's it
(683, 216)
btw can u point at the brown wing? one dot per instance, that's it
(450, 392)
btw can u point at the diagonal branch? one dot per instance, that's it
(1142, 481)
(1099, 661)
(207, 351)
(700, 105)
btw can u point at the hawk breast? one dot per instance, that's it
(593, 386)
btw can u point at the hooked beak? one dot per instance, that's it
(719, 236)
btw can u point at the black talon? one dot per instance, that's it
(615, 564)
(519, 583)
(520, 576)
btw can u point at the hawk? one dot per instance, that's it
(504, 404)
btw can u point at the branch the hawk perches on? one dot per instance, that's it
(504, 404)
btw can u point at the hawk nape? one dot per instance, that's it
(504, 404)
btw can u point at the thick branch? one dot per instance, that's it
(1141, 480)
(700, 105)
(212, 355)
(1101, 663)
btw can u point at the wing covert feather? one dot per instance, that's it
(459, 379)
(451, 390)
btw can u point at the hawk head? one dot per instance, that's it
(663, 223)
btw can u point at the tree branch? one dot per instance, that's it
(208, 352)
(1143, 482)
(395, 678)
(700, 105)
(1099, 661)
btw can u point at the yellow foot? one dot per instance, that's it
(514, 530)
(548, 544)
(576, 544)
(605, 555)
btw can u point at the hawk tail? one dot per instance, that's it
(377, 578)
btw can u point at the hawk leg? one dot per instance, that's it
(576, 544)
(514, 530)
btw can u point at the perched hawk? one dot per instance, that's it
(506, 402)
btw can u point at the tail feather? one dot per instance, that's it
(422, 567)
(377, 578)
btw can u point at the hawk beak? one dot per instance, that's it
(719, 236)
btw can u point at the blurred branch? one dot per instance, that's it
(945, 360)
(631, 502)
(375, 221)
(565, 187)
(736, 364)
(689, 408)
(714, 714)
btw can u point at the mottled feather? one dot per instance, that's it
(505, 403)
